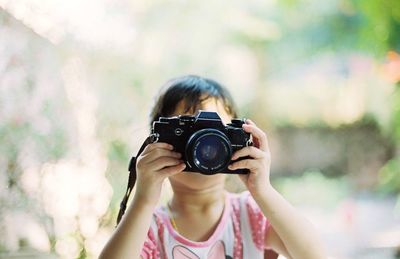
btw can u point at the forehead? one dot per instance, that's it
(209, 104)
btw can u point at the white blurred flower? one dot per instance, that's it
(22, 226)
(67, 247)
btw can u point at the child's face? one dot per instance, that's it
(197, 181)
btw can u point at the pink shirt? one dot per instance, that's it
(239, 234)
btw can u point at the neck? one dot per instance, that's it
(189, 200)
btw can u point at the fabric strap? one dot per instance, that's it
(132, 177)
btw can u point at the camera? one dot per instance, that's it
(206, 144)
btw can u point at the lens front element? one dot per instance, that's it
(209, 151)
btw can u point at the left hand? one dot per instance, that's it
(257, 180)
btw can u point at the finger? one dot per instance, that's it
(160, 152)
(250, 122)
(173, 170)
(244, 164)
(163, 162)
(259, 137)
(248, 151)
(153, 146)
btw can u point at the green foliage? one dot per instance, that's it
(118, 150)
(313, 189)
(389, 176)
(396, 115)
(380, 25)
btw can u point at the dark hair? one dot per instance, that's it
(193, 90)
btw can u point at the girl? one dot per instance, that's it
(202, 220)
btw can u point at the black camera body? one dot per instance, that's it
(206, 144)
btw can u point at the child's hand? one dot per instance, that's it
(259, 162)
(153, 166)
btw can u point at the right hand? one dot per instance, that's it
(157, 162)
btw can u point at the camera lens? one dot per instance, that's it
(209, 151)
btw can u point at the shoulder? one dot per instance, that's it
(243, 198)
(252, 220)
(245, 203)
(248, 210)
(158, 221)
(253, 210)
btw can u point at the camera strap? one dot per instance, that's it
(132, 178)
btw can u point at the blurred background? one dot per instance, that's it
(78, 79)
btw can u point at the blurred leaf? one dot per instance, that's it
(118, 150)
(389, 176)
(313, 189)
